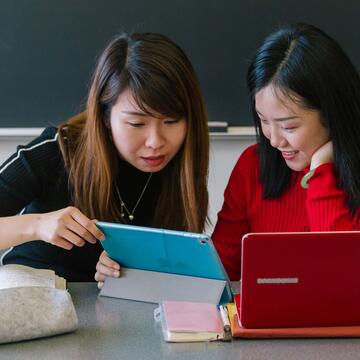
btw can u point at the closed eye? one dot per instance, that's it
(172, 121)
(136, 125)
(289, 129)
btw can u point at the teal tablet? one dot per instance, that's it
(167, 251)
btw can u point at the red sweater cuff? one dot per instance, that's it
(323, 179)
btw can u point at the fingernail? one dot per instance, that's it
(116, 266)
(102, 237)
(116, 273)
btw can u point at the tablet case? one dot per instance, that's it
(190, 256)
(155, 287)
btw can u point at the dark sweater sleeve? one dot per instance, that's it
(23, 174)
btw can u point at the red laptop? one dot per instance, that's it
(300, 280)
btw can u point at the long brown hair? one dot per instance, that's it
(162, 81)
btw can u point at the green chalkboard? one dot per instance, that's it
(48, 48)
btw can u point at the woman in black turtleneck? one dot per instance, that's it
(138, 154)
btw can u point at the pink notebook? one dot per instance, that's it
(190, 321)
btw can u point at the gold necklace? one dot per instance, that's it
(122, 203)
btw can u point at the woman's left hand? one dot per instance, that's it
(106, 267)
(325, 154)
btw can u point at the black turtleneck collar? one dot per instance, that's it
(131, 182)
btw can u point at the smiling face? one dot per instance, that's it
(297, 132)
(146, 142)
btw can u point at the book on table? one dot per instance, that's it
(184, 321)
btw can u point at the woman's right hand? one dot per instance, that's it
(66, 228)
(325, 154)
(106, 267)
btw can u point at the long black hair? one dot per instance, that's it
(305, 63)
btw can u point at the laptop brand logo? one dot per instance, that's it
(278, 280)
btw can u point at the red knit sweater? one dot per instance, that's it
(319, 208)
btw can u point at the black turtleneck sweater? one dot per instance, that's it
(34, 180)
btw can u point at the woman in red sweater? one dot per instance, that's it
(304, 172)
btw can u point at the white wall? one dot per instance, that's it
(224, 152)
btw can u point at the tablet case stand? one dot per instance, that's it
(154, 287)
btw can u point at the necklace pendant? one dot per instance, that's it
(123, 209)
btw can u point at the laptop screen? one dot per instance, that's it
(300, 279)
